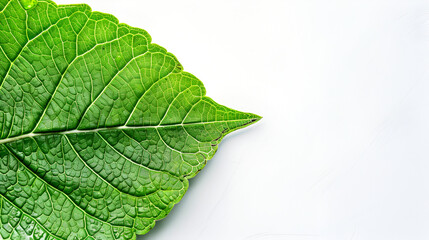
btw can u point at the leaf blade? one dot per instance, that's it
(100, 128)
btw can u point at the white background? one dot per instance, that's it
(343, 149)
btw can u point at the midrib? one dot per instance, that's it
(76, 131)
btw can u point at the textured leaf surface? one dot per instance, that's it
(100, 129)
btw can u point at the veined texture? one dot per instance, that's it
(100, 129)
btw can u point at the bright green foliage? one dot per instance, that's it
(100, 129)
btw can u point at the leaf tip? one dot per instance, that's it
(254, 118)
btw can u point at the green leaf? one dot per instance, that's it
(100, 129)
